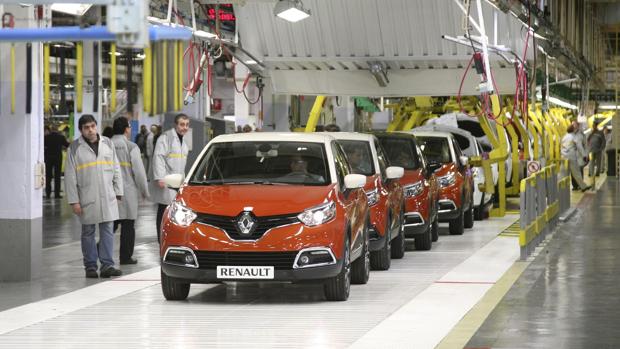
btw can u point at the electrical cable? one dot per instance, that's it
(28, 78)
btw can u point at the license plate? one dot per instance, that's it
(241, 272)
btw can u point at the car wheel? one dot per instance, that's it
(381, 260)
(479, 210)
(457, 225)
(360, 269)
(435, 229)
(425, 241)
(338, 287)
(172, 289)
(469, 216)
(398, 248)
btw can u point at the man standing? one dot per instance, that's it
(93, 184)
(54, 143)
(134, 183)
(596, 142)
(141, 139)
(169, 157)
(149, 148)
(573, 150)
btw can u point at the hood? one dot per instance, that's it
(445, 169)
(265, 200)
(411, 177)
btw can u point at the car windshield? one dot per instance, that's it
(263, 162)
(359, 156)
(400, 152)
(436, 149)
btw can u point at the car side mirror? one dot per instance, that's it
(394, 172)
(354, 181)
(174, 181)
(434, 166)
(464, 160)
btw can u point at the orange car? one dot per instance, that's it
(385, 196)
(267, 206)
(456, 182)
(419, 186)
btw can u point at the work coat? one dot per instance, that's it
(572, 148)
(134, 177)
(93, 180)
(169, 157)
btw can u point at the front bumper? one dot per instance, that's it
(415, 224)
(447, 210)
(207, 276)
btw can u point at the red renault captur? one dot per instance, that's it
(456, 183)
(267, 206)
(385, 196)
(419, 186)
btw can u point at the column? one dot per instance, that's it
(91, 85)
(21, 158)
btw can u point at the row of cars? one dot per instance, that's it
(319, 207)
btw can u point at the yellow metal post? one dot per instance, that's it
(79, 68)
(46, 78)
(180, 67)
(164, 79)
(113, 77)
(315, 113)
(147, 86)
(176, 76)
(155, 67)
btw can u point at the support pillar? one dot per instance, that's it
(91, 85)
(21, 158)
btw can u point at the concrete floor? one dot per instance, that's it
(568, 296)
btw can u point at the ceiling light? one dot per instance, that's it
(609, 107)
(72, 9)
(251, 62)
(204, 35)
(291, 10)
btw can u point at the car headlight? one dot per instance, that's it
(181, 215)
(373, 197)
(414, 189)
(318, 215)
(447, 180)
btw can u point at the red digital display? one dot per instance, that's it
(223, 15)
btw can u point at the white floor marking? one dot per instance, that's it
(429, 317)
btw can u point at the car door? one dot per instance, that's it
(392, 188)
(465, 172)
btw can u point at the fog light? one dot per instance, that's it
(182, 256)
(316, 256)
(189, 259)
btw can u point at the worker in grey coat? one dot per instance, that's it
(134, 186)
(93, 184)
(169, 157)
(573, 150)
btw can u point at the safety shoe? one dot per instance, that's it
(110, 271)
(129, 261)
(92, 274)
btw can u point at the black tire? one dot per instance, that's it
(457, 225)
(339, 287)
(360, 268)
(381, 260)
(424, 242)
(435, 229)
(398, 244)
(478, 213)
(469, 216)
(172, 289)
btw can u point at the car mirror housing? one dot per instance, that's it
(464, 160)
(395, 172)
(354, 181)
(174, 181)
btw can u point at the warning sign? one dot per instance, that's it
(533, 167)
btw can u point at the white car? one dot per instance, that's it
(472, 125)
(470, 147)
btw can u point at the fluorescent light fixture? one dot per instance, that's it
(140, 56)
(609, 107)
(250, 62)
(72, 9)
(230, 118)
(204, 35)
(116, 53)
(291, 10)
(557, 101)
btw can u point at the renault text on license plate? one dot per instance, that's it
(240, 272)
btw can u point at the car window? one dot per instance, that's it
(359, 156)
(342, 166)
(457, 149)
(436, 149)
(401, 152)
(472, 127)
(464, 144)
(263, 162)
(383, 161)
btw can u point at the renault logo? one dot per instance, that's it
(246, 223)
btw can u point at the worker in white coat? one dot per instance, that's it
(573, 150)
(169, 157)
(134, 186)
(94, 184)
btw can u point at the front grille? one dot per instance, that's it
(279, 260)
(229, 224)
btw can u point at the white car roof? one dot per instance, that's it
(274, 136)
(424, 133)
(449, 129)
(351, 136)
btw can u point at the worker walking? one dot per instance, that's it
(54, 143)
(134, 184)
(597, 143)
(572, 149)
(169, 157)
(94, 184)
